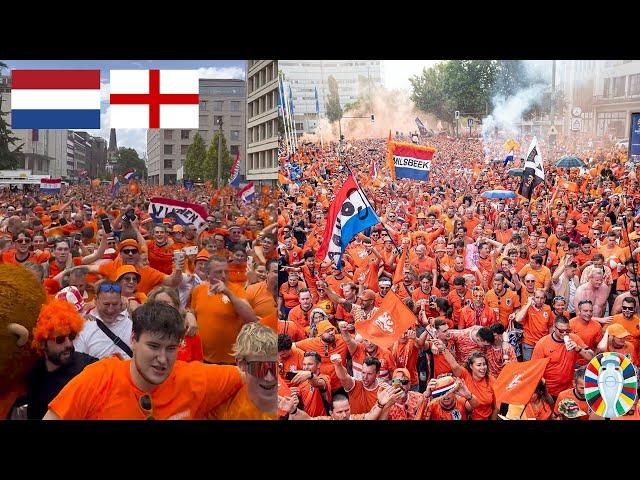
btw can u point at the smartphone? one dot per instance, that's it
(190, 250)
(290, 375)
(106, 225)
(63, 221)
(131, 215)
(77, 237)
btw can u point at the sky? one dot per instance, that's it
(133, 138)
(398, 72)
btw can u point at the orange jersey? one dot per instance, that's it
(536, 324)
(362, 399)
(504, 304)
(161, 258)
(260, 299)
(218, 322)
(559, 371)
(240, 407)
(483, 391)
(105, 391)
(387, 363)
(149, 277)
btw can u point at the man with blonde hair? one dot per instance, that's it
(255, 350)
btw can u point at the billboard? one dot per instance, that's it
(634, 138)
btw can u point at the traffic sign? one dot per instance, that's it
(457, 115)
(470, 122)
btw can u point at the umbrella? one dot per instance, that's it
(570, 162)
(498, 194)
(515, 172)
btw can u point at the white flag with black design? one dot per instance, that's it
(533, 173)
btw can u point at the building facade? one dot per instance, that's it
(261, 159)
(307, 76)
(219, 99)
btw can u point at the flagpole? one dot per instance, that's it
(284, 114)
(288, 116)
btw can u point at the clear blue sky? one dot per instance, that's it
(134, 138)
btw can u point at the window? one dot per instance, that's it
(299, 126)
(234, 149)
(168, 163)
(168, 149)
(619, 84)
(634, 84)
(203, 104)
(605, 89)
(168, 134)
(217, 105)
(184, 134)
(183, 149)
(235, 121)
(235, 106)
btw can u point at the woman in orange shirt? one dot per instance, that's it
(540, 407)
(478, 380)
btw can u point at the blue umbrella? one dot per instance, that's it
(498, 194)
(515, 172)
(570, 162)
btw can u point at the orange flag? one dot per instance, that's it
(390, 321)
(398, 274)
(95, 182)
(517, 381)
(134, 187)
(570, 186)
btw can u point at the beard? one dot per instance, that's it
(57, 359)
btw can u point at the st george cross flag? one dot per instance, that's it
(50, 185)
(183, 212)
(388, 323)
(234, 179)
(518, 380)
(247, 193)
(55, 99)
(406, 160)
(533, 174)
(154, 99)
(349, 214)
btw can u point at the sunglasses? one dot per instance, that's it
(147, 406)
(23, 240)
(130, 251)
(259, 369)
(628, 309)
(60, 339)
(529, 281)
(110, 287)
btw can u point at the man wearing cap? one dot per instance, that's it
(326, 343)
(58, 325)
(616, 339)
(454, 404)
(411, 402)
(128, 278)
(569, 410)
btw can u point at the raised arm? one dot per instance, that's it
(443, 350)
(346, 336)
(346, 380)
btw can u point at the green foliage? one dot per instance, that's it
(211, 160)
(334, 110)
(8, 158)
(194, 161)
(127, 159)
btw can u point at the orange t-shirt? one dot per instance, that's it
(457, 303)
(292, 363)
(299, 317)
(590, 333)
(218, 322)
(405, 355)
(240, 407)
(325, 351)
(483, 391)
(149, 277)
(541, 412)
(542, 275)
(559, 371)
(54, 269)
(10, 257)
(289, 294)
(387, 364)
(260, 299)
(312, 397)
(434, 411)
(632, 326)
(292, 329)
(105, 391)
(161, 258)
(505, 304)
(468, 317)
(536, 324)
(362, 399)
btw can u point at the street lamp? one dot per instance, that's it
(220, 122)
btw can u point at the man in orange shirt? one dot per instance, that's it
(221, 310)
(502, 300)
(575, 393)
(362, 393)
(312, 386)
(152, 385)
(21, 253)
(585, 327)
(478, 313)
(160, 250)
(538, 270)
(300, 314)
(629, 319)
(617, 339)
(562, 355)
(537, 319)
(458, 297)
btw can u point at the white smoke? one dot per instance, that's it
(507, 112)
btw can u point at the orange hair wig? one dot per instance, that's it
(57, 317)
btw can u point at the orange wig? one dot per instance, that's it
(57, 317)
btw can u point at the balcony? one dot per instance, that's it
(610, 100)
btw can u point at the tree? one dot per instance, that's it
(128, 159)
(194, 161)
(8, 158)
(211, 160)
(334, 110)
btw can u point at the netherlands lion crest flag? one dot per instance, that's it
(517, 381)
(388, 323)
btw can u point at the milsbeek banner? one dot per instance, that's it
(406, 160)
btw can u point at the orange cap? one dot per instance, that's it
(124, 269)
(177, 228)
(129, 242)
(202, 255)
(618, 331)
